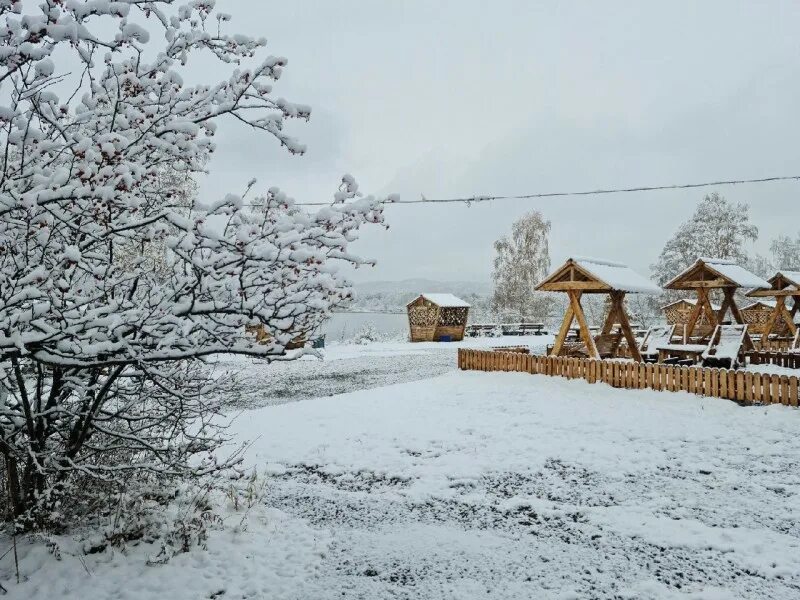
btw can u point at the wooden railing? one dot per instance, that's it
(775, 345)
(789, 360)
(745, 387)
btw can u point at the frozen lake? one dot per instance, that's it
(344, 325)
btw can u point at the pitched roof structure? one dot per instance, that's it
(692, 301)
(443, 300)
(713, 273)
(783, 283)
(762, 303)
(592, 276)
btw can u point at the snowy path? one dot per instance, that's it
(510, 486)
(277, 383)
(349, 368)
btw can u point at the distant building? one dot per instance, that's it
(437, 318)
(678, 312)
(757, 316)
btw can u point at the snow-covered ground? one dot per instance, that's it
(350, 367)
(482, 485)
(505, 485)
(496, 485)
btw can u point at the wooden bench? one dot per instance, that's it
(522, 328)
(481, 330)
(532, 328)
(574, 334)
(512, 349)
(607, 346)
(681, 353)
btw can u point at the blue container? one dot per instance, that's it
(445, 338)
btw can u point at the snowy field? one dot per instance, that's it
(351, 367)
(490, 485)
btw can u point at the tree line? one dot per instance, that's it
(718, 228)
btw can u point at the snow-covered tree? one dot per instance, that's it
(522, 260)
(100, 374)
(718, 229)
(785, 252)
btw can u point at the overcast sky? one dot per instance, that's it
(454, 98)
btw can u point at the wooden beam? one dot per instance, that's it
(562, 333)
(611, 317)
(771, 293)
(693, 285)
(695, 314)
(565, 286)
(726, 305)
(771, 321)
(787, 316)
(737, 315)
(618, 300)
(575, 302)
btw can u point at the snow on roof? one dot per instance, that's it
(444, 300)
(691, 301)
(617, 275)
(730, 270)
(763, 302)
(791, 276)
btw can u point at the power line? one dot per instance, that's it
(650, 188)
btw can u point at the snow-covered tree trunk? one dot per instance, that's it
(111, 292)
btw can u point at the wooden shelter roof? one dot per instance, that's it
(711, 273)
(442, 300)
(761, 303)
(592, 276)
(692, 301)
(783, 283)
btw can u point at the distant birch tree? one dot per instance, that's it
(785, 252)
(522, 261)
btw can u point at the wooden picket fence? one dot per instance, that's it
(744, 387)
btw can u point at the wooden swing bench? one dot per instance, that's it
(579, 276)
(607, 345)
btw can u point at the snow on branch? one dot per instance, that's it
(112, 278)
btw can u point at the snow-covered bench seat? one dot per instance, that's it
(725, 346)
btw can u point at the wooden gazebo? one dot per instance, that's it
(783, 286)
(757, 315)
(679, 311)
(580, 276)
(707, 274)
(437, 318)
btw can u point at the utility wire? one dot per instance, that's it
(651, 188)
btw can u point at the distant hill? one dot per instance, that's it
(394, 295)
(417, 286)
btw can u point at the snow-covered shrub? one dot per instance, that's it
(112, 290)
(367, 334)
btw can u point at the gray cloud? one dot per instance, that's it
(454, 98)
